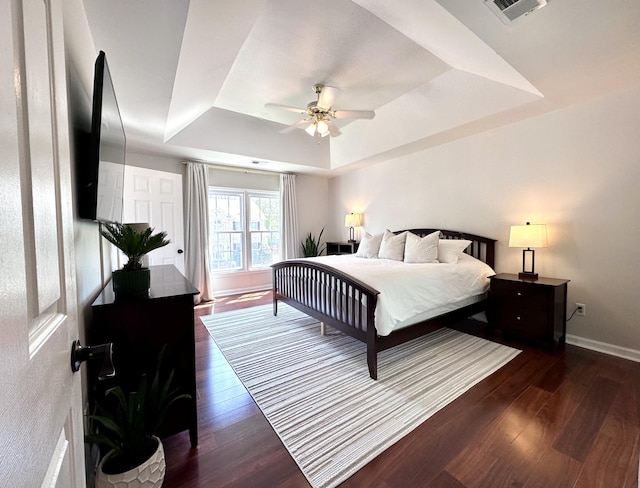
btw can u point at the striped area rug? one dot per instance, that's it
(316, 391)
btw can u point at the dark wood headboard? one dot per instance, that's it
(482, 248)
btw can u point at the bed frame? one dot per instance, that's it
(347, 304)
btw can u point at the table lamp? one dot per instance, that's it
(352, 220)
(528, 236)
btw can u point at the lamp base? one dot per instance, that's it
(528, 276)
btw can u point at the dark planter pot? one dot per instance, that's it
(131, 283)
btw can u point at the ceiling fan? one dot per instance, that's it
(319, 114)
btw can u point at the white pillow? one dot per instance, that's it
(422, 249)
(450, 249)
(392, 246)
(369, 246)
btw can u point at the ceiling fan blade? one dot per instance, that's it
(354, 114)
(301, 124)
(333, 130)
(287, 107)
(327, 97)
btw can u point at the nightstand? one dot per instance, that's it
(533, 311)
(341, 248)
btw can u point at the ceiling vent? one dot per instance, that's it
(510, 10)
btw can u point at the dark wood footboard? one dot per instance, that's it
(347, 304)
(327, 294)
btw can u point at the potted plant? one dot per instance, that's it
(310, 246)
(133, 279)
(127, 427)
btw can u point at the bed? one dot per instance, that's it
(339, 299)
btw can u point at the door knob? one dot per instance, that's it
(180, 251)
(80, 353)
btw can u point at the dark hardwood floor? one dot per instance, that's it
(565, 420)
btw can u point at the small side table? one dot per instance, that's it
(334, 248)
(533, 311)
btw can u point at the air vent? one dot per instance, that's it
(510, 10)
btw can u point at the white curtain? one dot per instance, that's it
(288, 216)
(197, 238)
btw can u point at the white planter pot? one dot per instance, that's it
(149, 474)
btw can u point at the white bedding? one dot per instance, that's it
(411, 292)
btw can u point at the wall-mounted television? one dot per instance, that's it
(102, 157)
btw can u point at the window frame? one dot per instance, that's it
(245, 195)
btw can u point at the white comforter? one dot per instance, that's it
(410, 292)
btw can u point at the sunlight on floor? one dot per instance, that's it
(245, 297)
(248, 297)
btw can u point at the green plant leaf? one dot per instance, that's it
(132, 243)
(311, 246)
(128, 423)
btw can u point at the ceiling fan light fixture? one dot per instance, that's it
(318, 127)
(322, 127)
(319, 113)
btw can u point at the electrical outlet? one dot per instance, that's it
(581, 309)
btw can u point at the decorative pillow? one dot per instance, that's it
(422, 249)
(450, 249)
(392, 246)
(369, 246)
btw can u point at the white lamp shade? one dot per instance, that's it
(322, 127)
(318, 126)
(353, 220)
(530, 235)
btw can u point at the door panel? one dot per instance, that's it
(40, 154)
(155, 197)
(58, 470)
(41, 428)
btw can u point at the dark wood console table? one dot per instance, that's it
(139, 328)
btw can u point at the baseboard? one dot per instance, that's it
(618, 351)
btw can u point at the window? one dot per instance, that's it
(244, 229)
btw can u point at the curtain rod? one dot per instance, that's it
(239, 169)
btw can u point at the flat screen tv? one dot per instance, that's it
(102, 158)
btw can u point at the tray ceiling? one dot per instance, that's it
(193, 77)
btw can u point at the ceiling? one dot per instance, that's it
(192, 77)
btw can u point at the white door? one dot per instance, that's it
(41, 424)
(155, 197)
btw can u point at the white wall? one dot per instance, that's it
(313, 206)
(576, 170)
(93, 256)
(159, 163)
